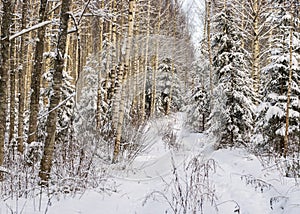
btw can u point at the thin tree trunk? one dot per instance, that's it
(46, 162)
(286, 135)
(243, 22)
(146, 62)
(48, 47)
(114, 34)
(4, 56)
(32, 6)
(256, 49)
(169, 102)
(12, 113)
(22, 72)
(156, 59)
(136, 67)
(108, 38)
(115, 80)
(208, 15)
(36, 76)
(99, 91)
(131, 17)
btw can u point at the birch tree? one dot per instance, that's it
(4, 57)
(22, 72)
(131, 19)
(36, 75)
(46, 161)
(12, 71)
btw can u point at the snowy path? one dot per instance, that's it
(148, 173)
(241, 184)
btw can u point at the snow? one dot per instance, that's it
(241, 183)
(34, 27)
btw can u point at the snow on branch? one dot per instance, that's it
(58, 106)
(2, 169)
(34, 27)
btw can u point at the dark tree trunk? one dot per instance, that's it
(46, 162)
(36, 75)
(22, 72)
(4, 66)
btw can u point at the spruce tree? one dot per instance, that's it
(232, 108)
(165, 80)
(199, 110)
(271, 121)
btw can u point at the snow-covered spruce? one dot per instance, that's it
(168, 87)
(271, 120)
(199, 110)
(231, 118)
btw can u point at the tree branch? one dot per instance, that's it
(34, 27)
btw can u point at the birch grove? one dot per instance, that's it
(82, 83)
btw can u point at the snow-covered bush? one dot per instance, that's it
(191, 191)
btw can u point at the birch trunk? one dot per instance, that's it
(46, 162)
(4, 57)
(99, 92)
(22, 72)
(143, 111)
(36, 76)
(243, 22)
(108, 38)
(131, 17)
(169, 102)
(116, 73)
(156, 58)
(12, 71)
(136, 68)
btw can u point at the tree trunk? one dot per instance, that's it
(156, 59)
(4, 56)
(36, 76)
(243, 22)
(143, 111)
(256, 49)
(108, 38)
(208, 15)
(131, 17)
(99, 91)
(12, 70)
(136, 68)
(22, 72)
(46, 162)
(169, 102)
(286, 135)
(116, 75)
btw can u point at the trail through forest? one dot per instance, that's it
(236, 181)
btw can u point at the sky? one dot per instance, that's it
(195, 10)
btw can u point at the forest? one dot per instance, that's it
(87, 87)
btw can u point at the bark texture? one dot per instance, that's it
(4, 66)
(22, 72)
(36, 76)
(46, 162)
(131, 18)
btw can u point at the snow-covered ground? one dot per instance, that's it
(236, 181)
